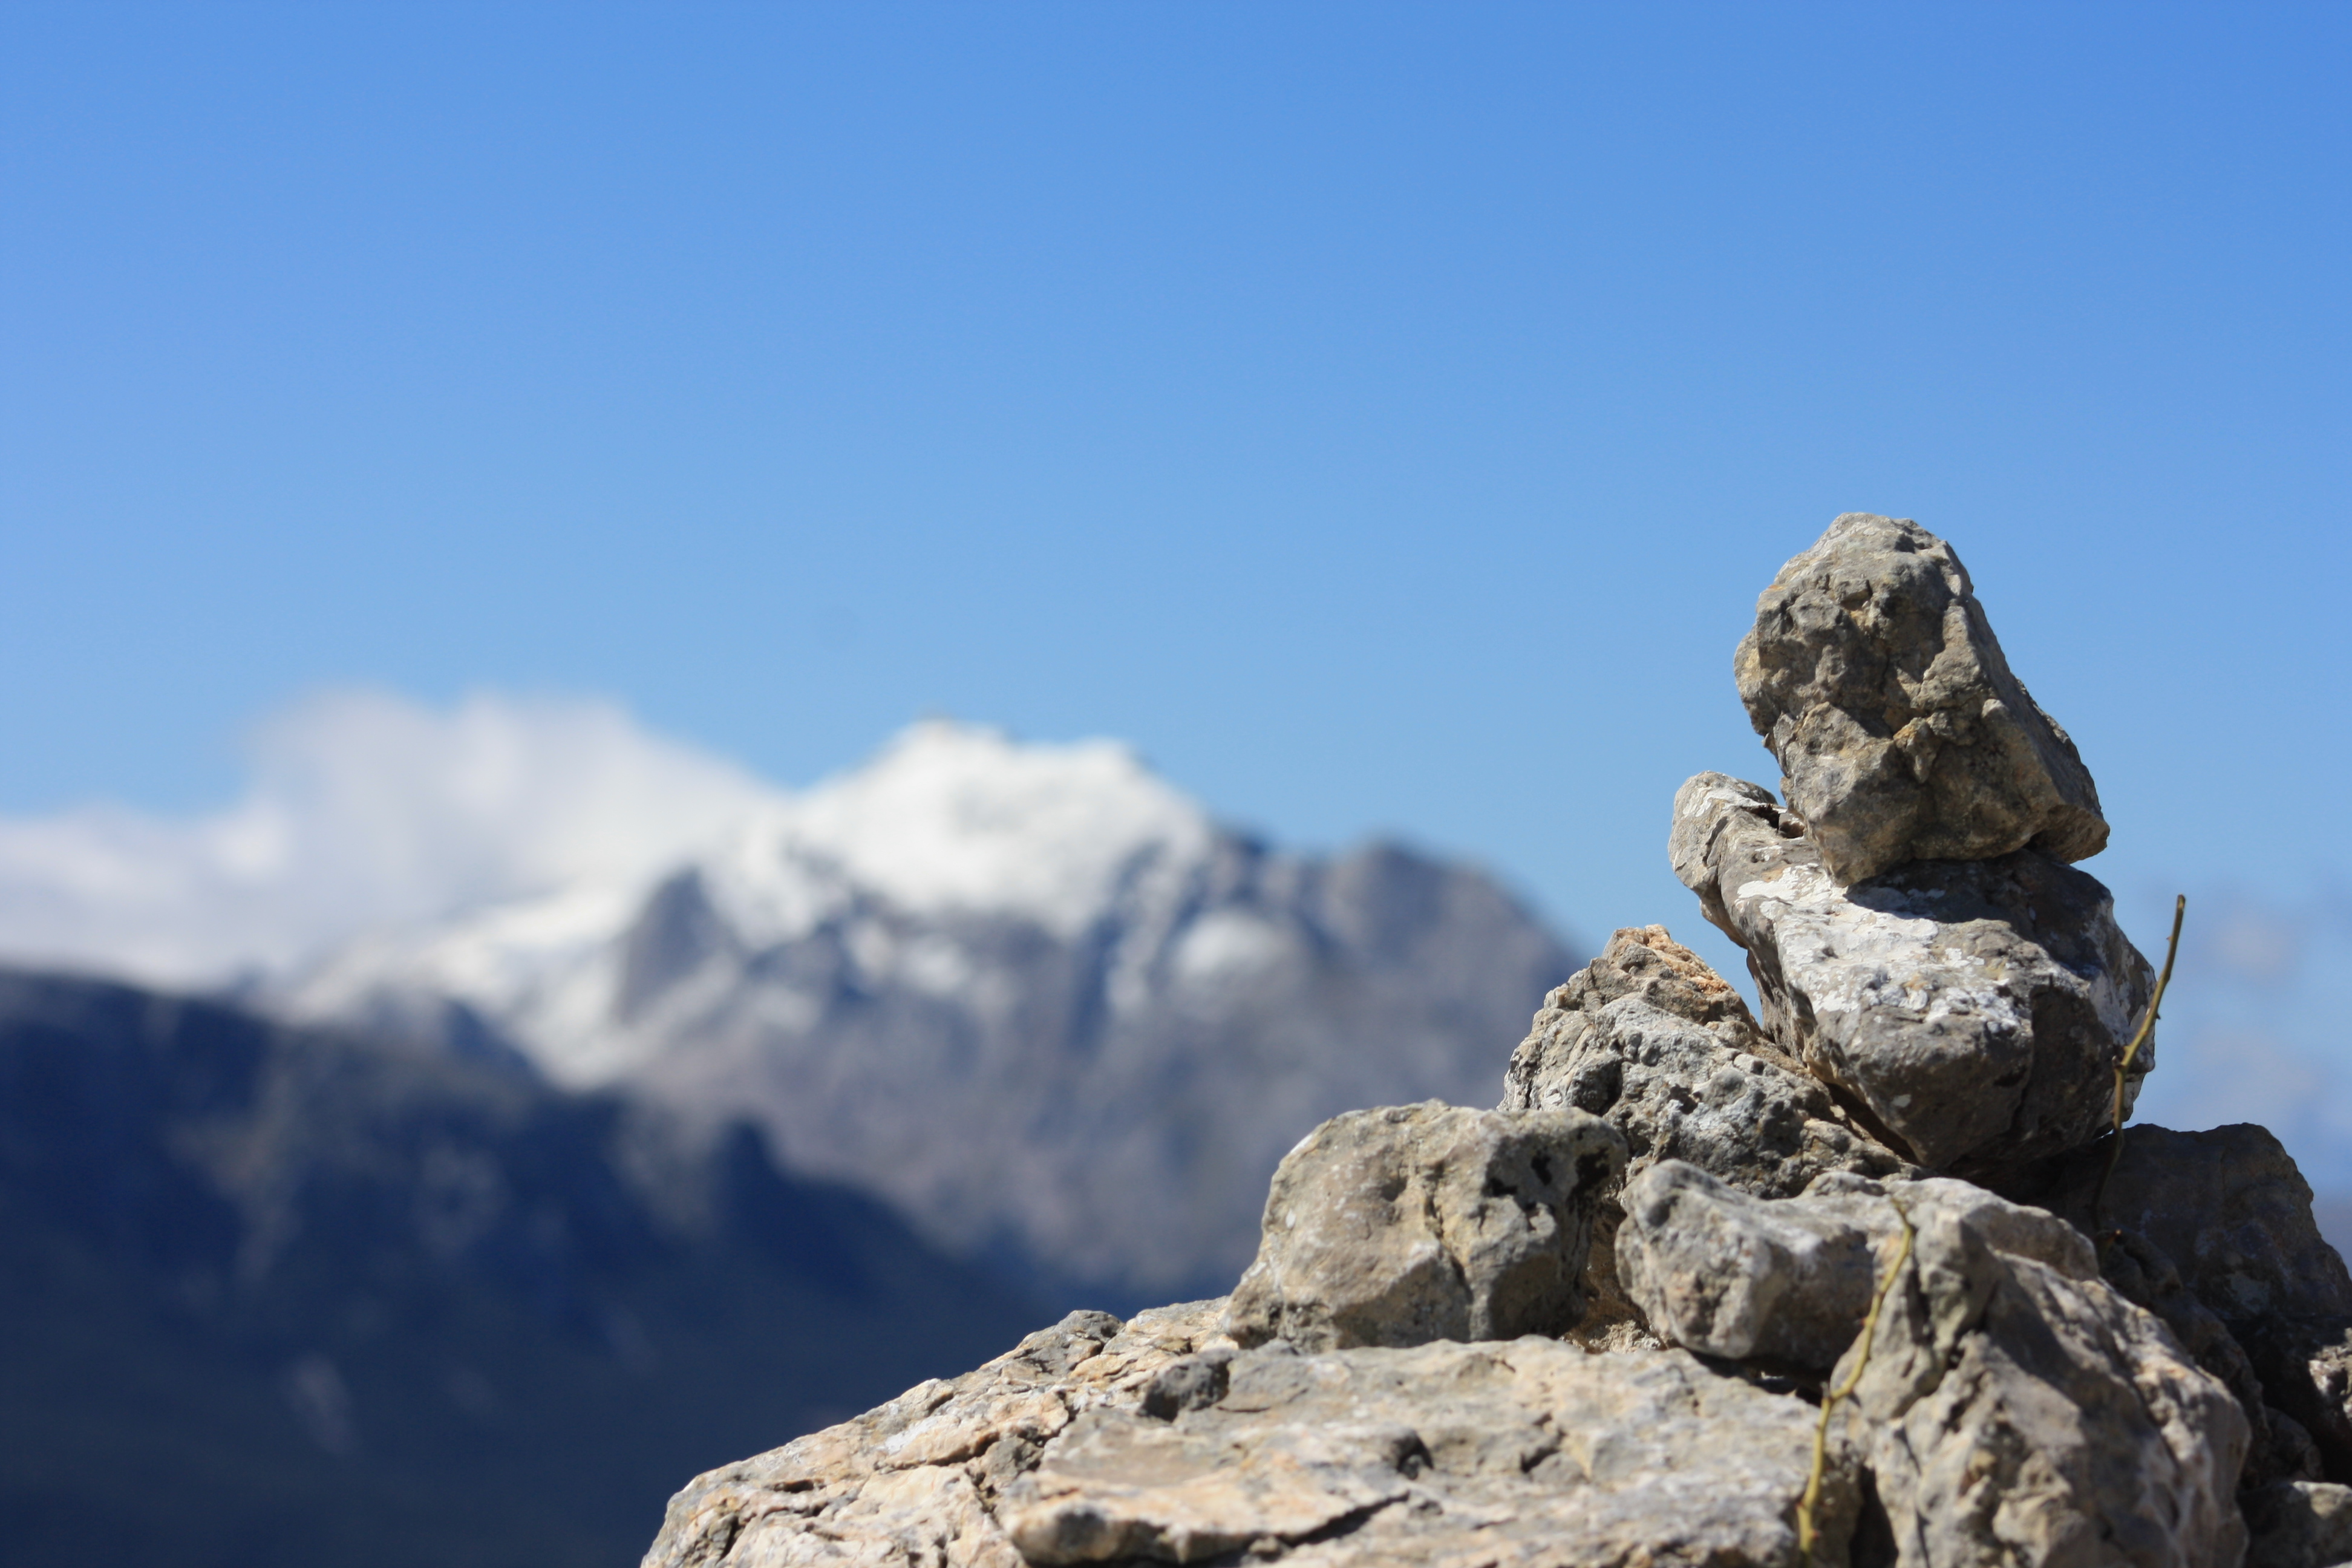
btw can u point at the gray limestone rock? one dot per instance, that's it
(1784, 1285)
(1526, 1451)
(2016, 1409)
(2012, 1408)
(1529, 1451)
(1659, 1045)
(1403, 1224)
(1873, 677)
(1970, 1012)
(2226, 1205)
(916, 1483)
(2227, 1213)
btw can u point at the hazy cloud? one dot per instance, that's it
(362, 810)
(2253, 1028)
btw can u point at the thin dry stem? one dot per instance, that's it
(2146, 1027)
(1808, 1505)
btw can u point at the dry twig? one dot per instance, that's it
(2146, 1027)
(1808, 1505)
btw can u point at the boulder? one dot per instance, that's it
(2013, 1407)
(1529, 1451)
(2228, 1207)
(1783, 1285)
(1408, 1224)
(2227, 1214)
(1874, 678)
(1969, 1013)
(1526, 1451)
(1659, 1045)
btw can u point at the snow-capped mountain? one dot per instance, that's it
(1033, 995)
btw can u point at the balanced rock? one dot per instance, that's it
(2013, 1407)
(1873, 677)
(1971, 1012)
(1659, 1045)
(1400, 1226)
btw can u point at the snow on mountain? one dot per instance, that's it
(1030, 995)
(949, 821)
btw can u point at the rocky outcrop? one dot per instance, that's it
(1415, 1223)
(1659, 1045)
(1524, 1450)
(1972, 1010)
(2213, 1231)
(1790, 1233)
(2014, 1407)
(1874, 678)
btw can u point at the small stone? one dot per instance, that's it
(1874, 678)
(1783, 1285)
(1191, 1383)
(1970, 1013)
(1401, 1226)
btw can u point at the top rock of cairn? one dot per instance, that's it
(1874, 678)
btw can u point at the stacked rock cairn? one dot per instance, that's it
(1619, 1319)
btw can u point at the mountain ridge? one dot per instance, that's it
(1012, 989)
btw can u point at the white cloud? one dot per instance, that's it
(363, 811)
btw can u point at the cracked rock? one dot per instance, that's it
(2013, 1408)
(2229, 1213)
(1526, 1451)
(1400, 1226)
(1874, 678)
(1971, 1011)
(1659, 1045)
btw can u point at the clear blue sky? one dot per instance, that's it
(1384, 417)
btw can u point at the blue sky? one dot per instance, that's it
(1383, 417)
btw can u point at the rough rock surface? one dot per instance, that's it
(1407, 1223)
(2226, 1205)
(1874, 678)
(2226, 1213)
(1658, 1045)
(2015, 1408)
(2015, 1411)
(1525, 1451)
(2299, 1524)
(1973, 1010)
(1725, 1274)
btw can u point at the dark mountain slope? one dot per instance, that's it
(270, 1295)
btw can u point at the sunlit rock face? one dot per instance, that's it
(1874, 675)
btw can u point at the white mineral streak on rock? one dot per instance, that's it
(1973, 1009)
